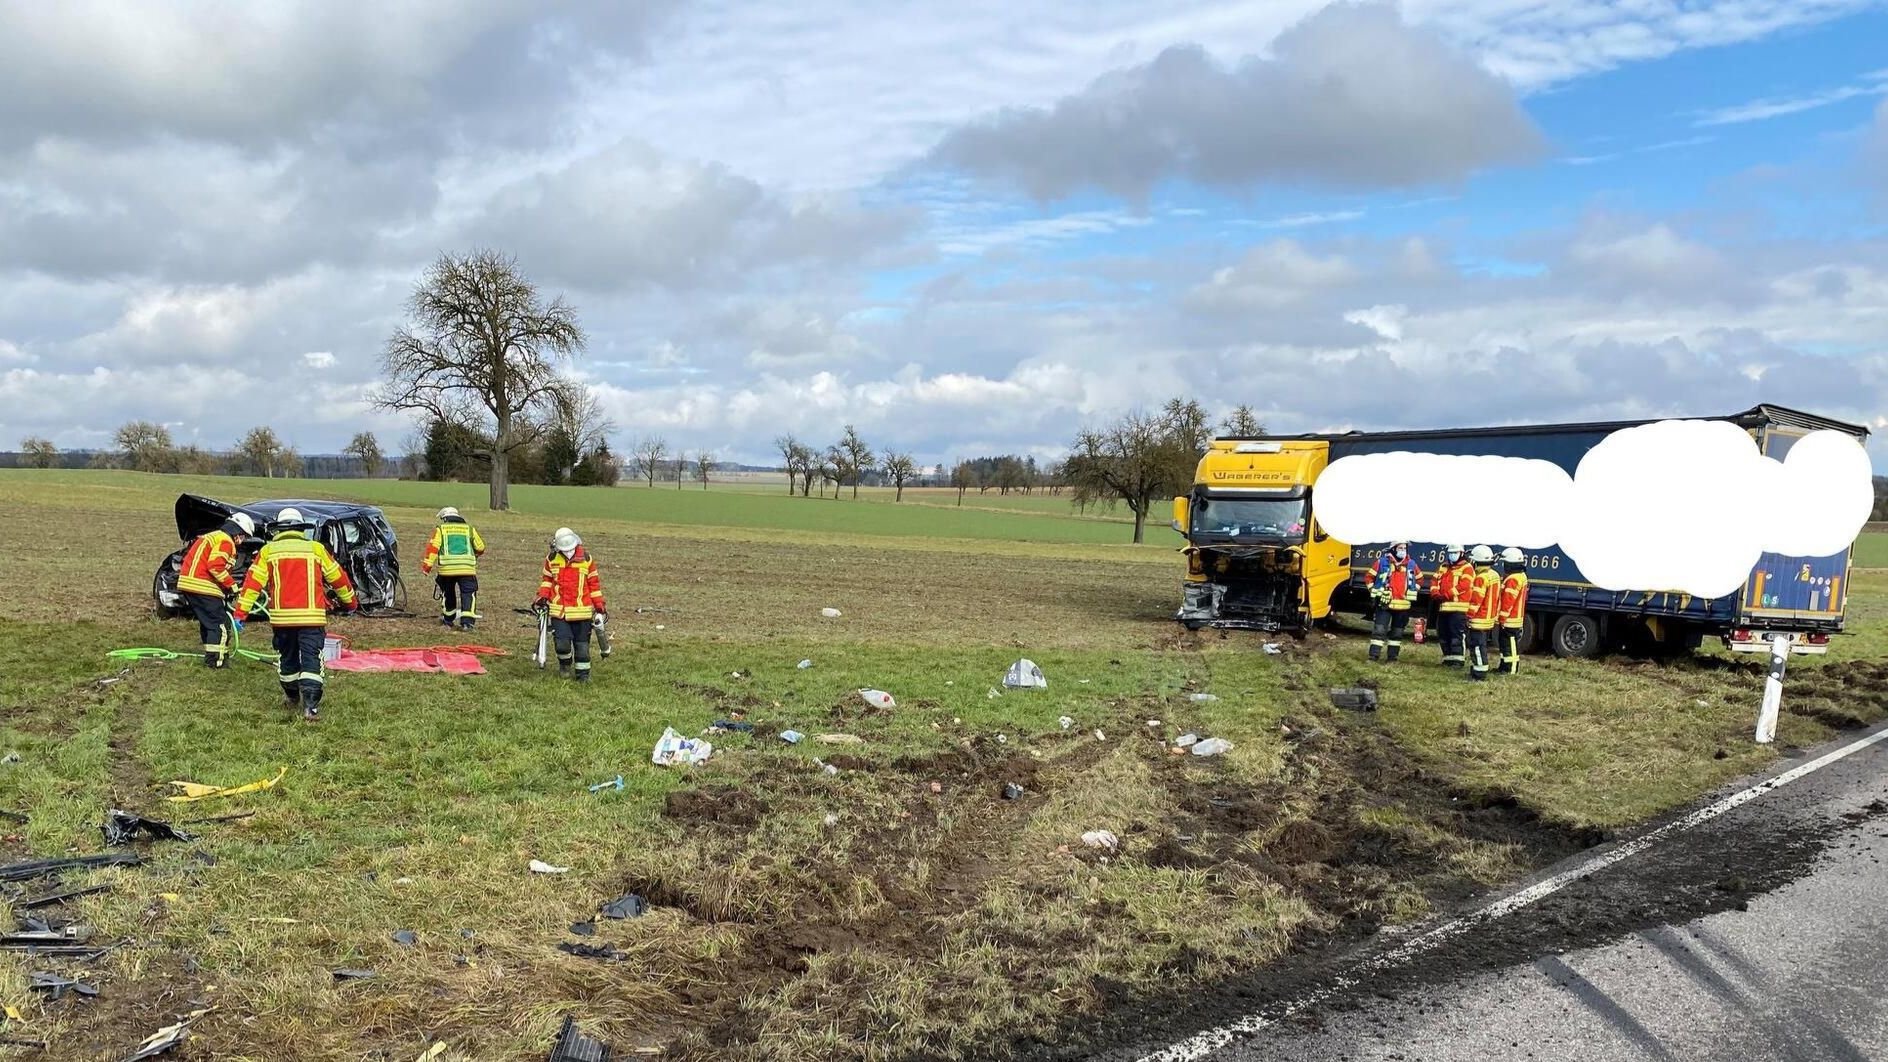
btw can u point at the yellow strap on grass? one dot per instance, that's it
(199, 791)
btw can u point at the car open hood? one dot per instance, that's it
(197, 514)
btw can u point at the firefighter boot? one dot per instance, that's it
(1395, 650)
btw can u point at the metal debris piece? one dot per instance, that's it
(59, 986)
(574, 1046)
(61, 896)
(583, 929)
(348, 973)
(1362, 699)
(166, 1038)
(41, 867)
(406, 937)
(122, 827)
(629, 905)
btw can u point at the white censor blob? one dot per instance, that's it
(1684, 505)
(1410, 497)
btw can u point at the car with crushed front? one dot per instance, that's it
(359, 536)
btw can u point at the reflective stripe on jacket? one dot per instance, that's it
(1400, 579)
(572, 586)
(1512, 612)
(294, 571)
(1453, 584)
(1484, 599)
(205, 569)
(456, 548)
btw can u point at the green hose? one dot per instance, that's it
(156, 653)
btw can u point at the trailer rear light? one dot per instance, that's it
(1740, 636)
(1816, 639)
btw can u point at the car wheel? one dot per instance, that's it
(1575, 635)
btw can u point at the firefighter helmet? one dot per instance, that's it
(291, 518)
(1513, 555)
(447, 513)
(565, 540)
(1482, 555)
(244, 521)
(1454, 551)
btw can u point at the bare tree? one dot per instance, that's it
(838, 468)
(264, 453)
(1241, 421)
(578, 412)
(485, 349)
(648, 457)
(789, 448)
(853, 456)
(1139, 458)
(705, 464)
(366, 449)
(196, 461)
(146, 447)
(901, 469)
(963, 478)
(808, 462)
(681, 468)
(39, 453)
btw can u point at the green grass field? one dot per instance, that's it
(795, 914)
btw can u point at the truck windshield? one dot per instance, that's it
(1249, 517)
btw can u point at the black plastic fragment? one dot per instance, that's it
(57, 897)
(1361, 698)
(592, 951)
(628, 905)
(41, 867)
(406, 936)
(584, 929)
(122, 827)
(59, 986)
(573, 1046)
(348, 973)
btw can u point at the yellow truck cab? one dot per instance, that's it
(1256, 557)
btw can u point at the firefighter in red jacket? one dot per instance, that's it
(206, 582)
(294, 572)
(1511, 613)
(1484, 606)
(572, 592)
(1452, 585)
(1395, 586)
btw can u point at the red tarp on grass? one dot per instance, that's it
(451, 662)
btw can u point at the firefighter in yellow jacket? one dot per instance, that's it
(1511, 613)
(571, 591)
(1451, 589)
(295, 572)
(1484, 605)
(206, 580)
(452, 557)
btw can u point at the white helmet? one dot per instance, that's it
(1482, 555)
(1513, 555)
(290, 517)
(1453, 551)
(447, 511)
(244, 521)
(565, 540)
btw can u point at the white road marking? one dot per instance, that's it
(1203, 1044)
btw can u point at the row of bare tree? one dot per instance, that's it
(144, 446)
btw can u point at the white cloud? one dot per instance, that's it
(1875, 84)
(318, 359)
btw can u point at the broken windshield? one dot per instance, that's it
(1277, 518)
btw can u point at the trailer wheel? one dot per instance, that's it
(1530, 634)
(1575, 635)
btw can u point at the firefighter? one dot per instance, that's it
(207, 583)
(1451, 588)
(1511, 613)
(1484, 602)
(1394, 586)
(572, 592)
(292, 571)
(455, 551)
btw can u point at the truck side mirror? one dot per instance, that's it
(1181, 507)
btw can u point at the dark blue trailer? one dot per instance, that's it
(1801, 596)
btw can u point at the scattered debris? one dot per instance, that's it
(826, 767)
(58, 897)
(839, 739)
(1101, 839)
(673, 748)
(1153, 724)
(1099, 736)
(878, 698)
(198, 791)
(993, 694)
(406, 937)
(1203, 698)
(791, 737)
(438, 1048)
(218, 818)
(628, 905)
(1357, 698)
(937, 787)
(1024, 674)
(1271, 648)
(45, 936)
(1186, 740)
(830, 820)
(11, 757)
(1012, 791)
(662, 626)
(725, 726)
(1002, 739)
(614, 783)
(59, 986)
(1211, 747)
(737, 674)
(112, 680)
(830, 613)
(592, 951)
(276, 921)
(538, 866)
(1067, 723)
(35, 868)
(122, 827)
(574, 1046)
(166, 1038)
(584, 929)
(348, 973)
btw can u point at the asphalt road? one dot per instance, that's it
(1759, 934)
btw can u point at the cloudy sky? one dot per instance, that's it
(966, 229)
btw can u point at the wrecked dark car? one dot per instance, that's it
(359, 536)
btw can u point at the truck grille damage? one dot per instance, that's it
(1247, 588)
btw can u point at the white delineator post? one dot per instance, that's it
(1773, 690)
